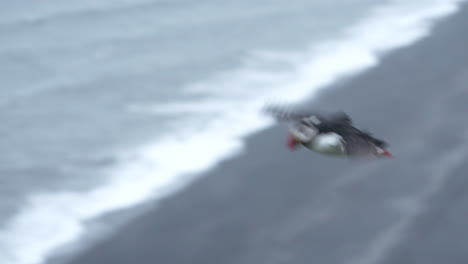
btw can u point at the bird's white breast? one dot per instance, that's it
(328, 143)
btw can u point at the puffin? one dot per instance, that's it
(329, 134)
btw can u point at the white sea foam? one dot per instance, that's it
(48, 221)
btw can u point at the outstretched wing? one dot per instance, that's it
(361, 144)
(285, 113)
(340, 117)
(358, 147)
(378, 142)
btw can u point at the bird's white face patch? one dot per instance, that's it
(303, 133)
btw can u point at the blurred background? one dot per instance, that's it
(110, 107)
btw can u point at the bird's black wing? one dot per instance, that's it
(378, 142)
(340, 117)
(357, 143)
(286, 114)
(358, 147)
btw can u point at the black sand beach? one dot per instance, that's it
(269, 205)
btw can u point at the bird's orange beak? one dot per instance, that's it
(292, 142)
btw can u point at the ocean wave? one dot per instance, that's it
(58, 11)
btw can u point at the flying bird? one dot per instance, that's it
(333, 134)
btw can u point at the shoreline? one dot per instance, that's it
(246, 198)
